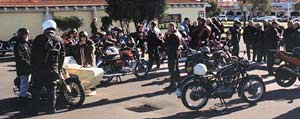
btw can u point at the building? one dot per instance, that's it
(279, 7)
(15, 14)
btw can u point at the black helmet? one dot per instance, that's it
(296, 51)
(23, 31)
(83, 34)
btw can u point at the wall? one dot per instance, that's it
(11, 22)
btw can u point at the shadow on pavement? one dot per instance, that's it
(150, 76)
(205, 114)
(293, 114)
(107, 101)
(12, 108)
(7, 59)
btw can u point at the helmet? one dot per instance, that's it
(23, 31)
(205, 49)
(296, 51)
(181, 28)
(49, 24)
(200, 69)
(112, 51)
(83, 34)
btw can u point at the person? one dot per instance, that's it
(70, 42)
(139, 38)
(22, 52)
(271, 43)
(289, 37)
(194, 35)
(295, 41)
(248, 36)
(259, 38)
(84, 55)
(153, 41)
(84, 51)
(220, 26)
(172, 41)
(215, 31)
(48, 53)
(93, 26)
(235, 37)
(186, 24)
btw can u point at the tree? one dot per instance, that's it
(137, 11)
(260, 5)
(297, 5)
(106, 22)
(65, 23)
(214, 10)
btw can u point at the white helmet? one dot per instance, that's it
(200, 69)
(49, 24)
(112, 51)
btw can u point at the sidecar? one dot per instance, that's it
(88, 76)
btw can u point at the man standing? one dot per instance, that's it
(235, 37)
(47, 59)
(22, 57)
(249, 37)
(153, 42)
(172, 40)
(272, 36)
(94, 26)
(186, 24)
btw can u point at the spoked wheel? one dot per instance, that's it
(141, 69)
(252, 90)
(284, 78)
(74, 94)
(194, 97)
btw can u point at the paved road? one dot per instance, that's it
(113, 102)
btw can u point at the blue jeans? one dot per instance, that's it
(24, 85)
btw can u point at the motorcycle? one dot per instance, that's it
(124, 61)
(287, 74)
(195, 90)
(212, 59)
(69, 89)
(6, 46)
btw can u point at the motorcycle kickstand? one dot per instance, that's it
(223, 102)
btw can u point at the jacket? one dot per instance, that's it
(22, 51)
(42, 59)
(89, 55)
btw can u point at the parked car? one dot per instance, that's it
(238, 18)
(222, 18)
(230, 18)
(268, 18)
(295, 19)
(283, 19)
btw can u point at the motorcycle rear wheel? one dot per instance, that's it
(283, 78)
(76, 97)
(197, 93)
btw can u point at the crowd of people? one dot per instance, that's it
(43, 58)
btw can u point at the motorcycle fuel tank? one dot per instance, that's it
(227, 70)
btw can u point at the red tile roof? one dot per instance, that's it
(21, 3)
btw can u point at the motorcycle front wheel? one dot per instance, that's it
(194, 96)
(141, 69)
(73, 93)
(252, 90)
(284, 78)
